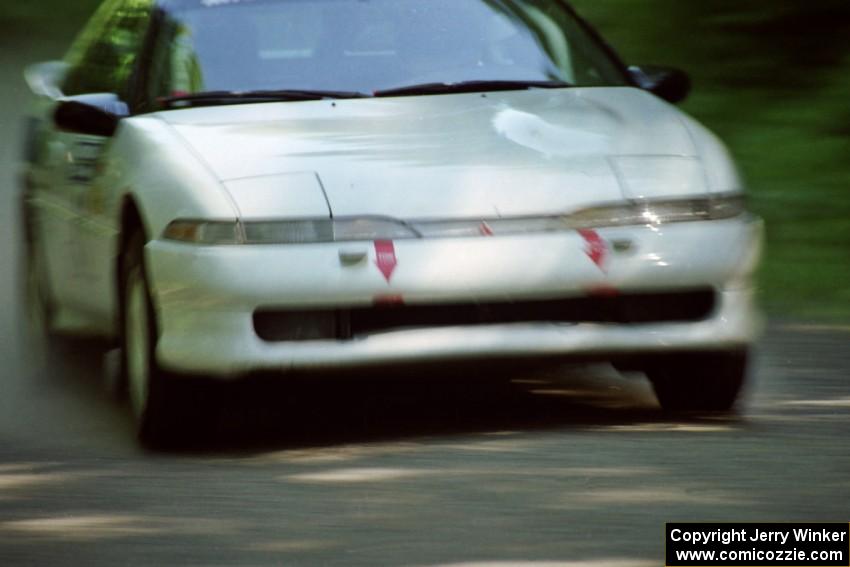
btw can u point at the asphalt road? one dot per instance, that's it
(574, 466)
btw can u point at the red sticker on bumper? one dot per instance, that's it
(603, 291)
(388, 300)
(596, 249)
(385, 258)
(485, 229)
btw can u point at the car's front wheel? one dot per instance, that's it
(154, 396)
(699, 381)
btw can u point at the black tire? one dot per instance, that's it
(158, 399)
(699, 382)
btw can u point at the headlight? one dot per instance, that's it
(205, 232)
(288, 232)
(648, 213)
(338, 230)
(652, 213)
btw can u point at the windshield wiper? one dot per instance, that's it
(470, 87)
(211, 98)
(245, 97)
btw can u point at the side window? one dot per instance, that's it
(104, 56)
(173, 68)
(588, 64)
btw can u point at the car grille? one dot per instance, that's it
(275, 325)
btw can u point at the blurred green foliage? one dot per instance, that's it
(771, 77)
(42, 20)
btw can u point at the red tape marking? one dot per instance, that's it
(385, 258)
(388, 301)
(597, 248)
(603, 291)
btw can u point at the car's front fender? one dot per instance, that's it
(149, 162)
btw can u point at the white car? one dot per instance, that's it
(231, 186)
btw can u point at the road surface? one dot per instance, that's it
(574, 466)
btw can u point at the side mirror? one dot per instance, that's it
(45, 79)
(673, 85)
(96, 115)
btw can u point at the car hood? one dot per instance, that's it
(447, 156)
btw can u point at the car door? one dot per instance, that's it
(69, 164)
(57, 166)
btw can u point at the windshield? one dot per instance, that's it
(368, 46)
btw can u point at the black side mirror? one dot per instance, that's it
(95, 115)
(673, 85)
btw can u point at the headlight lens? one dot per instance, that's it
(288, 232)
(653, 213)
(649, 213)
(338, 230)
(205, 232)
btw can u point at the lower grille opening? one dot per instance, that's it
(276, 325)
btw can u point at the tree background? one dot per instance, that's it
(771, 77)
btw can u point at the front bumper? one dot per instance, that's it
(206, 296)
